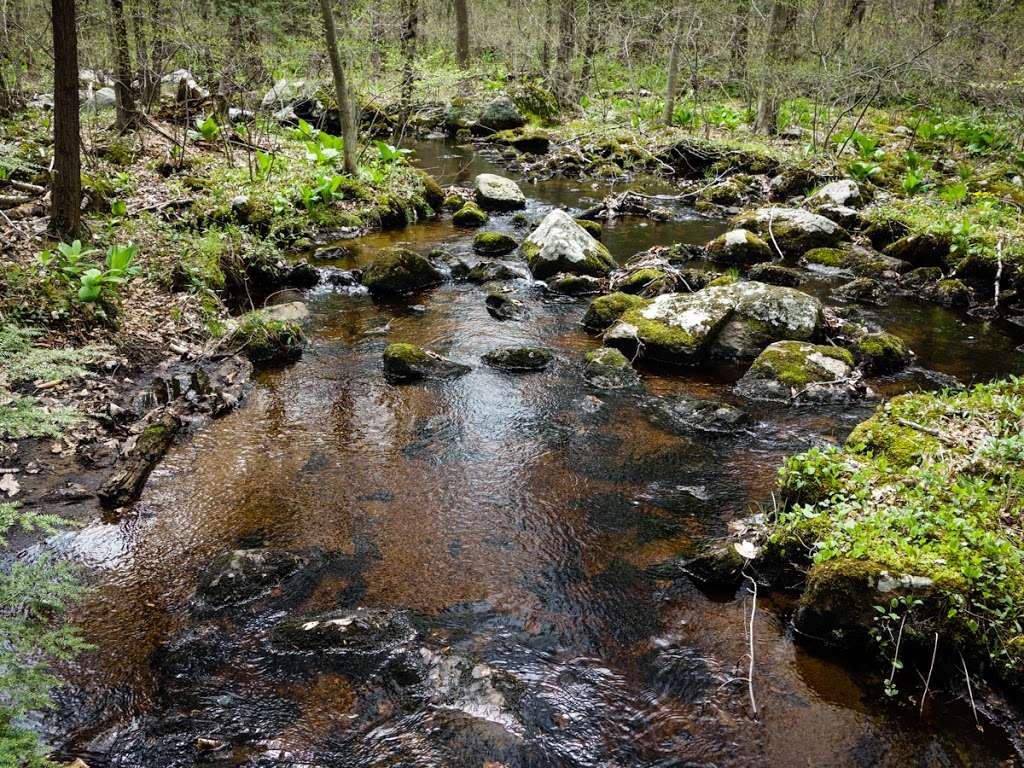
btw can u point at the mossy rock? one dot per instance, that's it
(535, 100)
(901, 445)
(833, 258)
(950, 292)
(501, 306)
(863, 290)
(268, 342)
(605, 310)
(775, 274)
(920, 278)
(731, 191)
(881, 353)
(787, 367)
(794, 230)
(884, 232)
(605, 170)
(923, 249)
(727, 278)
(494, 243)
(647, 282)
(837, 607)
(594, 228)
(519, 359)
(452, 203)
(398, 272)
(739, 248)
(469, 215)
(493, 271)
(608, 368)
(529, 138)
(407, 362)
(575, 285)
(559, 244)
(433, 194)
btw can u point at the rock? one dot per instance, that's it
(855, 260)
(289, 312)
(104, 98)
(881, 353)
(527, 139)
(244, 574)
(795, 230)
(918, 279)
(407, 362)
(885, 232)
(687, 414)
(494, 243)
(949, 293)
(739, 248)
(469, 215)
(608, 368)
(775, 274)
(726, 322)
(519, 359)
(786, 368)
(363, 634)
(605, 310)
(495, 271)
(500, 114)
(921, 250)
(267, 341)
(849, 219)
(731, 191)
(575, 285)
(496, 193)
(864, 290)
(594, 228)
(501, 306)
(559, 244)
(844, 192)
(717, 568)
(398, 272)
(287, 93)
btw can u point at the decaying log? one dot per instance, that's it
(125, 483)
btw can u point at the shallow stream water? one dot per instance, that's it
(514, 517)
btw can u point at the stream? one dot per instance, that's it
(513, 520)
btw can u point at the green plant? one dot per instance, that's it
(208, 129)
(955, 193)
(119, 269)
(863, 170)
(388, 154)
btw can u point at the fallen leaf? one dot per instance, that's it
(9, 486)
(747, 549)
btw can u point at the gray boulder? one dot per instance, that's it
(360, 634)
(795, 230)
(496, 193)
(739, 248)
(844, 192)
(786, 368)
(559, 244)
(500, 114)
(607, 368)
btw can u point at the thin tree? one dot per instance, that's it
(777, 48)
(66, 200)
(462, 33)
(348, 124)
(741, 35)
(126, 115)
(673, 68)
(408, 45)
(563, 56)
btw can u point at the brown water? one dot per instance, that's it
(514, 518)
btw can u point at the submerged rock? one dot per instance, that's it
(789, 367)
(559, 244)
(495, 271)
(363, 633)
(795, 230)
(608, 368)
(469, 215)
(399, 272)
(518, 359)
(605, 310)
(501, 306)
(687, 414)
(407, 362)
(494, 243)
(726, 321)
(244, 574)
(739, 248)
(496, 193)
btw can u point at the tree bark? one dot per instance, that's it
(66, 200)
(126, 116)
(545, 49)
(408, 45)
(563, 57)
(741, 37)
(462, 33)
(855, 12)
(348, 126)
(777, 49)
(673, 68)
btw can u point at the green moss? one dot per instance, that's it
(494, 243)
(594, 228)
(901, 445)
(881, 353)
(605, 310)
(827, 257)
(662, 341)
(725, 279)
(637, 281)
(788, 362)
(469, 215)
(268, 342)
(400, 271)
(406, 354)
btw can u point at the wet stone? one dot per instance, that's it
(519, 359)
(363, 633)
(407, 362)
(244, 574)
(501, 306)
(688, 414)
(608, 368)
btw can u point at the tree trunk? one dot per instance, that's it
(462, 33)
(66, 200)
(855, 13)
(126, 116)
(141, 51)
(596, 16)
(673, 69)
(741, 37)
(563, 57)
(348, 126)
(777, 48)
(545, 49)
(408, 46)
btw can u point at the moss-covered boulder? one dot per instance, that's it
(882, 232)
(575, 285)
(739, 248)
(950, 292)
(920, 278)
(926, 249)
(529, 138)
(902, 445)
(786, 369)
(494, 243)
(399, 272)
(726, 322)
(242, 575)
(519, 359)
(795, 230)
(496, 193)
(594, 228)
(775, 274)
(646, 281)
(433, 194)
(854, 260)
(559, 244)
(501, 306)
(608, 368)
(863, 290)
(470, 216)
(268, 342)
(495, 271)
(605, 310)
(499, 114)
(407, 362)
(881, 353)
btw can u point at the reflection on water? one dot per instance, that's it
(514, 517)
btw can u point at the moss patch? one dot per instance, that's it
(605, 310)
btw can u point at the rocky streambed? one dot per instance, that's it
(466, 527)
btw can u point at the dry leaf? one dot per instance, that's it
(9, 486)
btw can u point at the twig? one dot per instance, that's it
(771, 234)
(928, 680)
(970, 693)
(999, 271)
(750, 653)
(896, 653)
